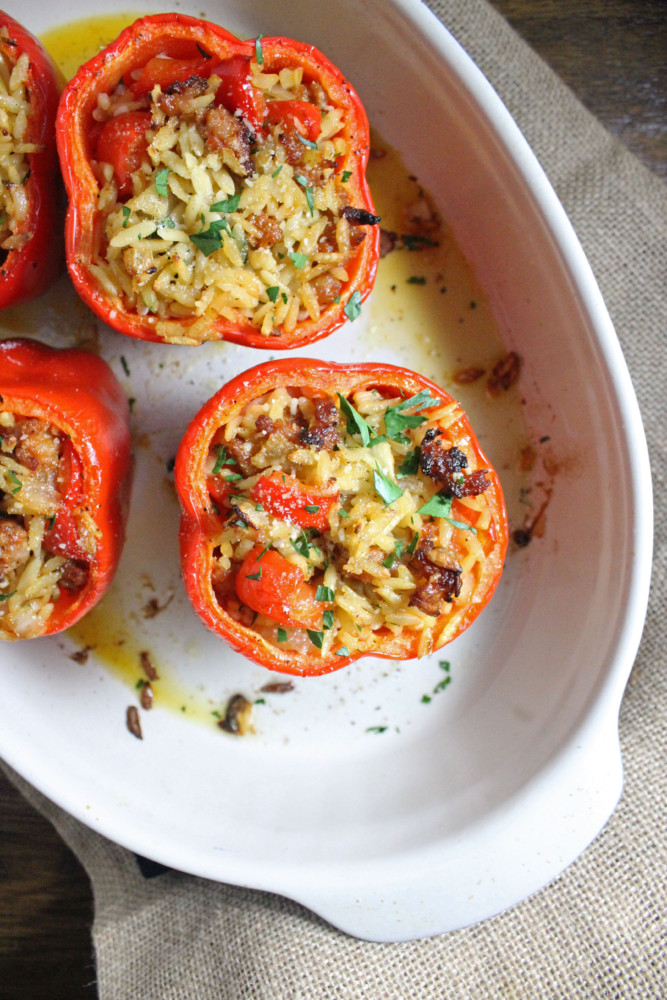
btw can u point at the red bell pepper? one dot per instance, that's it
(172, 50)
(269, 584)
(32, 264)
(76, 393)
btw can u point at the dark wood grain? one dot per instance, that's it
(612, 54)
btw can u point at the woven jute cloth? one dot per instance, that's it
(600, 929)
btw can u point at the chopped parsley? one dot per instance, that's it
(273, 292)
(396, 421)
(352, 308)
(324, 594)
(210, 239)
(345, 176)
(5, 597)
(355, 422)
(410, 464)
(312, 508)
(328, 620)
(416, 279)
(17, 482)
(385, 486)
(277, 171)
(317, 638)
(308, 192)
(376, 729)
(126, 216)
(259, 54)
(222, 459)
(282, 635)
(439, 505)
(298, 259)
(227, 205)
(343, 651)
(307, 142)
(161, 182)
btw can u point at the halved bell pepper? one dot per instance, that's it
(283, 569)
(239, 268)
(74, 401)
(31, 205)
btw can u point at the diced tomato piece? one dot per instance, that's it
(300, 115)
(237, 92)
(123, 144)
(289, 499)
(271, 585)
(166, 71)
(62, 534)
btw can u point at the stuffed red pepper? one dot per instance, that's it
(334, 511)
(30, 188)
(216, 187)
(65, 470)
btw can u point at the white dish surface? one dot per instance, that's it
(391, 816)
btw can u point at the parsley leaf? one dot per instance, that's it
(317, 638)
(259, 55)
(343, 651)
(438, 506)
(298, 259)
(413, 544)
(355, 422)
(352, 308)
(211, 239)
(222, 459)
(282, 635)
(273, 292)
(126, 216)
(307, 142)
(324, 594)
(301, 545)
(308, 192)
(345, 176)
(386, 487)
(312, 508)
(396, 421)
(410, 464)
(161, 182)
(227, 205)
(17, 482)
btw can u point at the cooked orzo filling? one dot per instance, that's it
(34, 566)
(15, 112)
(345, 518)
(204, 217)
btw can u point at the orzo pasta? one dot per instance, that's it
(334, 511)
(217, 187)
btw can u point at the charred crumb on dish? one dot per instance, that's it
(504, 374)
(147, 665)
(146, 695)
(81, 655)
(280, 687)
(133, 721)
(153, 607)
(466, 376)
(238, 716)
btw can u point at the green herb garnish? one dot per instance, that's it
(298, 259)
(307, 142)
(355, 422)
(312, 508)
(352, 308)
(345, 176)
(396, 421)
(376, 729)
(324, 594)
(255, 576)
(5, 597)
(227, 205)
(222, 459)
(282, 635)
(17, 482)
(386, 487)
(343, 651)
(413, 544)
(273, 292)
(161, 182)
(317, 638)
(410, 464)
(438, 506)
(259, 55)
(416, 279)
(126, 216)
(277, 171)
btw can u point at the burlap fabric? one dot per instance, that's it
(600, 930)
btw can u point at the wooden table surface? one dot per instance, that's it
(612, 54)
